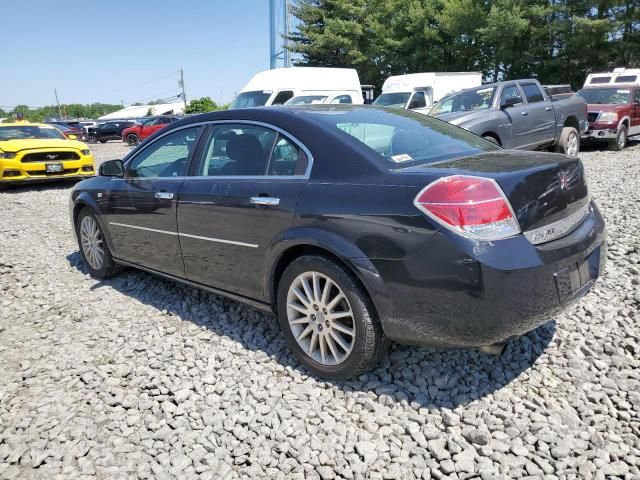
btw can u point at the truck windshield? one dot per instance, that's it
(396, 100)
(29, 132)
(250, 99)
(306, 100)
(611, 96)
(477, 99)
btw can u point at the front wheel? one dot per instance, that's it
(569, 142)
(93, 246)
(92, 139)
(132, 140)
(621, 139)
(328, 319)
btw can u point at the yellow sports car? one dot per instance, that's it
(36, 152)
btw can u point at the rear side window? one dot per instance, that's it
(532, 92)
(282, 97)
(403, 139)
(626, 79)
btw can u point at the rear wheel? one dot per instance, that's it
(92, 139)
(103, 141)
(132, 139)
(328, 320)
(492, 139)
(93, 247)
(621, 139)
(569, 142)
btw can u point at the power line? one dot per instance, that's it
(147, 82)
(150, 97)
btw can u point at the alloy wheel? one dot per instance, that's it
(91, 241)
(572, 145)
(622, 139)
(321, 318)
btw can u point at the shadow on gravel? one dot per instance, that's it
(603, 147)
(36, 186)
(429, 377)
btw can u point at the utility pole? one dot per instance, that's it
(184, 95)
(58, 102)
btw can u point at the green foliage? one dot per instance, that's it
(73, 110)
(202, 105)
(557, 41)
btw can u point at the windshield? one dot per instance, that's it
(28, 132)
(477, 99)
(402, 138)
(396, 100)
(306, 100)
(615, 96)
(250, 99)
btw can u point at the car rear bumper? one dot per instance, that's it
(457, 299)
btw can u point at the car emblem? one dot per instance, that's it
(52, 156)
(564, 180)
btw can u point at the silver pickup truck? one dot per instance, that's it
(517, 114)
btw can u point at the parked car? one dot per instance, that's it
(518, 115)
(38, 151)
(147, 127)
(558, 92)
(356, 225)
(275, 87)
(419, 91)
(104, 132)
(86, 125)
(613, 111)
(69, 128)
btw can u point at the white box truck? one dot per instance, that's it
(419, 91)
(301, 85)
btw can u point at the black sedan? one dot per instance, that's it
(355, 225)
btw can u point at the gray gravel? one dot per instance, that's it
(141, 377)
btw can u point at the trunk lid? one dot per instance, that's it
(542, 188)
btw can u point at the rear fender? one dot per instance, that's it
(348, 253)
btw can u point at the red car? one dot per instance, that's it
(613, 109)
(135, 134)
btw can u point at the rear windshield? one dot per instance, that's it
(402, 138)
(615, 96)
(250, 99)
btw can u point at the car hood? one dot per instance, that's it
(40, 143)
(458, 118)
(606, 107)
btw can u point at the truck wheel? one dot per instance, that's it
(621, 139)
(492, 139)
(328, 319)
(569, 142)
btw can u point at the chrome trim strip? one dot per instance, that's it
(219, 240)
(558, 229)
(186, 235)
(142, 228)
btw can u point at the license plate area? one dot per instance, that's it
(54, 167)
(576, 279)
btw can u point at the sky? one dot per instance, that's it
(129, 51)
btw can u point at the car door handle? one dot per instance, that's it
(548, 109)
(524, 114)
(266, 201)
(164, 195)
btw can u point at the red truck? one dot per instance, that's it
(613, 105)
(135, 134)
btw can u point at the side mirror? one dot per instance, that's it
(111, 168)
(72, 137)
(511, 102)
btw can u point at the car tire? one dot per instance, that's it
(92, 139)
(491, 139)
(132, 140)
(345, 346)
(569, 142)
(621, 139)
(102, 141)
(98, 260)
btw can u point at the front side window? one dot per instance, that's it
(282, 97)
(636, 97)
(510, 91)
(167, 156)
(532, 92)
(418, 100)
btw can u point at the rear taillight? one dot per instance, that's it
(474, 207)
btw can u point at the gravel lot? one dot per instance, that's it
(141, 377)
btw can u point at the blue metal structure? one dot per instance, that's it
(279, 28)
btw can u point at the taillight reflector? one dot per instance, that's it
(474, 207)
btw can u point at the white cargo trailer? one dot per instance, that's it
(419, 91)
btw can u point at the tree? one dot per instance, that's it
(202, 105)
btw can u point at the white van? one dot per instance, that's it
(419, 91)
(324, 85)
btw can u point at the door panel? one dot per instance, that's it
(542, 118)
(224, 237)
(517, 121)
